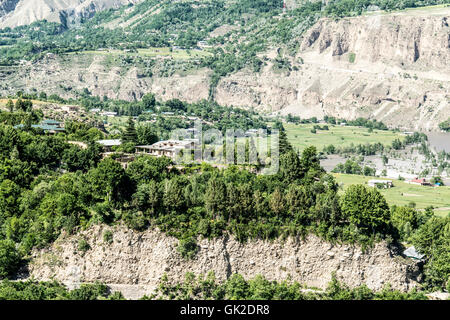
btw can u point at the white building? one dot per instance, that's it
(108, 114)
(385, 183)
(168, 148)
(70, 108)
(108, 144)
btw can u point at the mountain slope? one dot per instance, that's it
(22, 12)
(389, 66)
(396, 72)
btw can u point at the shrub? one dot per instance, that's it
(352, 57)
(108, 236)
(188, 248)
(83, 245)
(9, 258)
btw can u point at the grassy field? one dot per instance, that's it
(300, 136)
(403, 193)
(3, 103)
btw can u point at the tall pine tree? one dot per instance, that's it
(285, 146)
(130, 134)
(10, 105)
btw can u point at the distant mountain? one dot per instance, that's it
(21, 12)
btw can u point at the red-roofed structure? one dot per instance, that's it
(421, 182)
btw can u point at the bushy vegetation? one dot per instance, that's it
(359, 122)
(445, 125)
(352, 167)
(32, 290)
(259, 288)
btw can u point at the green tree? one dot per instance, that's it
(290, 167)
(109, 180)
(215, 197)
(10, 105)
(365, 208)
(173, 197)
(43, 96)
(402, 215)
(9, 258)
(148, 101)
(130, 135)
(310, 165)
(298, 201)
(9, 199)
(277, 202)
(146, 135)
(146, 168)
(236, 288)
(148, 197)
(445, 125)
(284, 143)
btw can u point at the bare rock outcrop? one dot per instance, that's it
(141, 259)
(380, 66)
(15, 13)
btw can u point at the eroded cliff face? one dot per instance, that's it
(66, 75)
(393, 68)
(135, 262)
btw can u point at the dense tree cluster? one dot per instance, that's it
(259, 288)
(352, 167)
(37, 200)
(31, 290)
(48, 185)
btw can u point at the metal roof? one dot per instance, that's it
(411, 252)
(110, 143)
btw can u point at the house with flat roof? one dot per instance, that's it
(49, 126)
(167, 148)
(109, 144)
(108, 114)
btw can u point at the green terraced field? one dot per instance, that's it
(300, 136)
(403, 193)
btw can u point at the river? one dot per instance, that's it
(439, 141)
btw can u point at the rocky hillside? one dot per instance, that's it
(22, 12)
(392, 67)
(135, 262)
